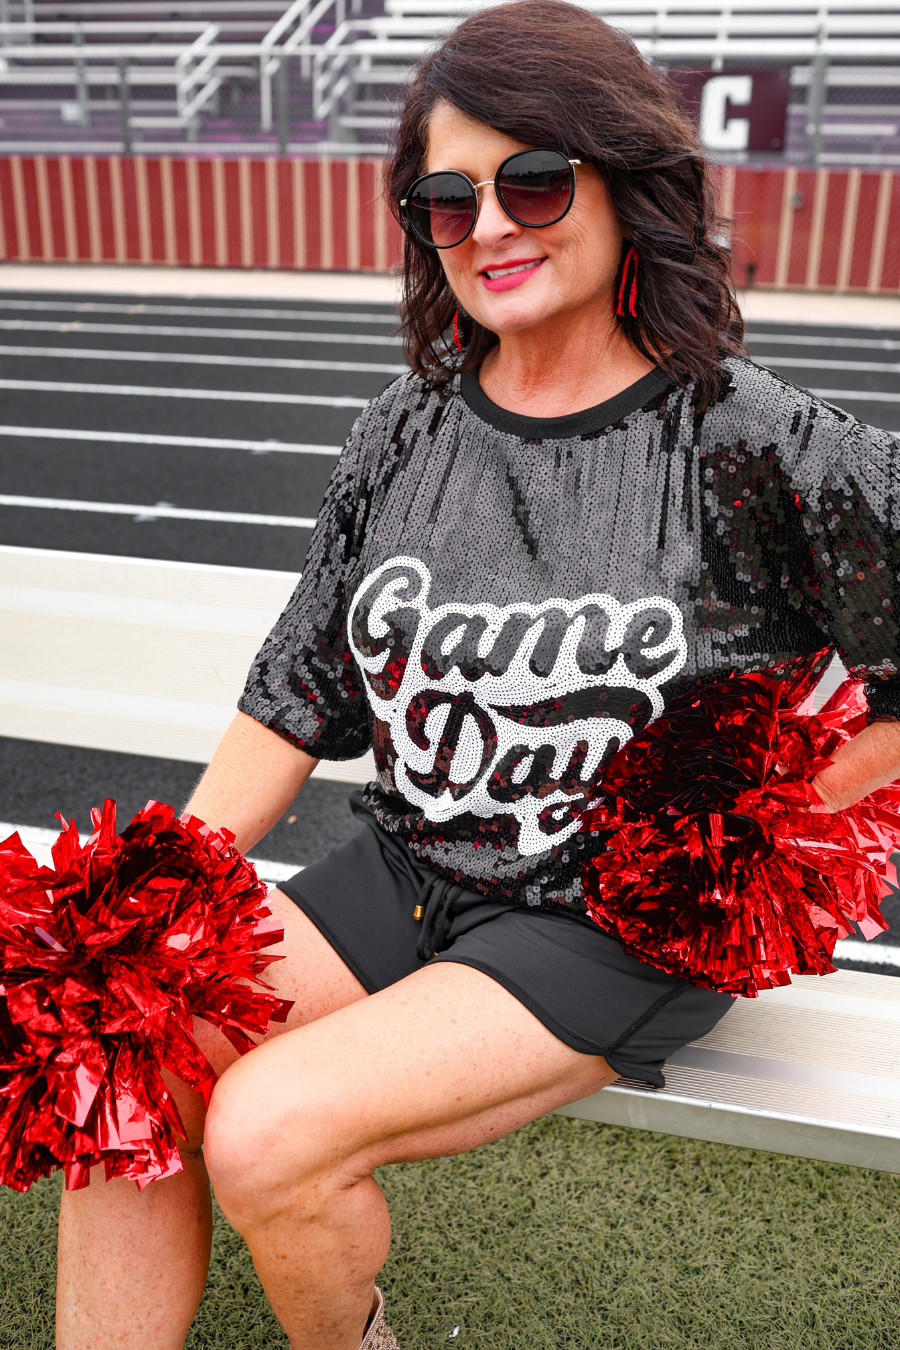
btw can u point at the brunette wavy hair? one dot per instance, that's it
(550, 73)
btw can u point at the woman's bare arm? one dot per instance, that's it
(867, 762)
(251, 780)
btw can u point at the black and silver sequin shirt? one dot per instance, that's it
(496, 603)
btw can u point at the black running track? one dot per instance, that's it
(239, 408)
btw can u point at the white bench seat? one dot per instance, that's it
(149, 658)
(812, 1070)
(133, 654)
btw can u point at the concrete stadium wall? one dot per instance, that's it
(794, 228)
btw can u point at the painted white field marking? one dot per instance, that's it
(151, 391)
(39, 843)
(806, 340)
(875, 953)
(814, 363)
(203, 311)
(161, 511)
(206, 359)
(78, 327)
(190, 442)
(856, 395)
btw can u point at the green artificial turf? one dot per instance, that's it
(572, 1236)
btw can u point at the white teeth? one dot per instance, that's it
(507, 271)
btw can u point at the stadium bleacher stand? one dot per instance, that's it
(163, 76)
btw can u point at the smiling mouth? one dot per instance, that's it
(494, 272)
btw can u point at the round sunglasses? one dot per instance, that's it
(534, 187)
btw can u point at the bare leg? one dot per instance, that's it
(442, 1062)
(132, 1264)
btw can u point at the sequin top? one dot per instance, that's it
(496, 603)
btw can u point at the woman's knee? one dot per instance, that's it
(265, 1151)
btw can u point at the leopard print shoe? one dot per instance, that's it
(378, 1334)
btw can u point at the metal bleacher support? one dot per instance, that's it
(149, 657)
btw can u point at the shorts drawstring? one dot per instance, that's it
(433, 908)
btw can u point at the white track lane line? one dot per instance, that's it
(150, 391)
(232, 334)
(370, 367)
(206, 359)
(809, 363)
(204, 311)
(875, 953)
(245, 396)
(161, 511)
(798, 340)
(39, 843)
(191, 442)
(856, 396)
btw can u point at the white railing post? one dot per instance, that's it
(818, 91)
(265, 93)
(197, 78)
(269, 63)
(81, 84)
(283, 107)
(125, 105)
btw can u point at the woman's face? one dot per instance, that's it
(567, 267)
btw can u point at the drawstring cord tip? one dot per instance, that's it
(419, 913)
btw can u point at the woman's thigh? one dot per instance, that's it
(439, 1063)
(310, 972)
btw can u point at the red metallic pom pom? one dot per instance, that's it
(104, 959)
(721, 863)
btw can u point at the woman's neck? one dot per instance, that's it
(561, 368)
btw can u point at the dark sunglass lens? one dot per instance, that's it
(536, 187)
(442, 209)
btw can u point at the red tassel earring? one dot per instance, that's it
(631, 261)
(456, 342)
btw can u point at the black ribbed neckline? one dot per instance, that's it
(573, 424)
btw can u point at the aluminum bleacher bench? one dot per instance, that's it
(815, 38)
(148, 657)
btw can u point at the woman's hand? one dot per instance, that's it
(867, 762)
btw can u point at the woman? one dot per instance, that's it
(518, 561)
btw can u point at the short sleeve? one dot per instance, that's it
(303, 683)
(845, 478)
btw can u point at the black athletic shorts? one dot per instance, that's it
(572, 976)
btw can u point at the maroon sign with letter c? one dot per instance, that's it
(737, 111)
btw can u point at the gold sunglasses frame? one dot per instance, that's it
(490, 182)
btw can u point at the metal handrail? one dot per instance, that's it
(283, 24)
(610, 10)
(202, 73)
(269, 64)
(64, 26)
(306, 14)
(238, 7)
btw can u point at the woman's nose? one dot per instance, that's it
(493, 224)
